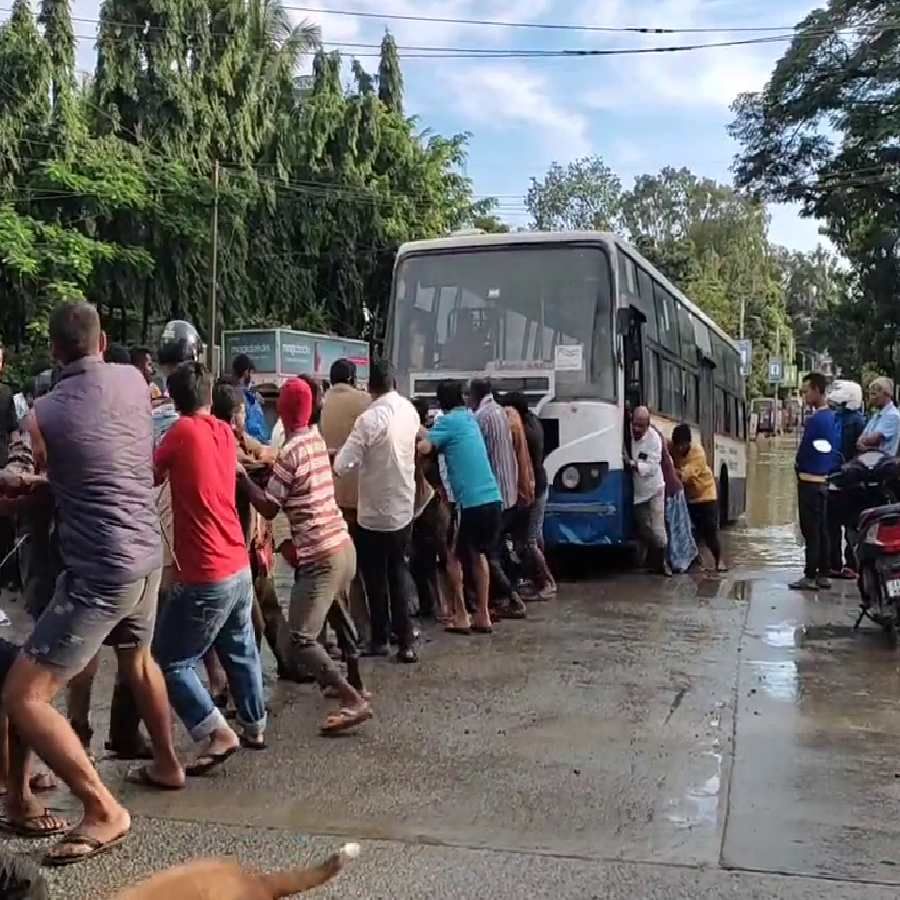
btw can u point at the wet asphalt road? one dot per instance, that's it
(638, 738)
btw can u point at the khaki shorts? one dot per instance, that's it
(81, 618)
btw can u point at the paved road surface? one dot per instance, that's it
(695, 738)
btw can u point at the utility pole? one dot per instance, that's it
(214, 270)
(743, 314)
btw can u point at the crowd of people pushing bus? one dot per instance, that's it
(144, 494)
(144, 520)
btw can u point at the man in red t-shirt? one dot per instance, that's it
(211, 604)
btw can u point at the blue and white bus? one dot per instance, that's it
(581, 323)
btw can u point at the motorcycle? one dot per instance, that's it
(865, 502)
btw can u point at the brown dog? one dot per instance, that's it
(220, 879)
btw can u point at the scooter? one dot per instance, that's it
(868, 488)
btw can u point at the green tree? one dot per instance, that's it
(106, 189)
(824, 132)
(584, 195)
(390, 76)
(56, 17)
(713, 244)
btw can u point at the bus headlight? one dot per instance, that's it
(580, 478)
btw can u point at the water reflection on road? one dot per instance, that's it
(766, 536)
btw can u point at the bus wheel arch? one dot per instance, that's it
(724, 509)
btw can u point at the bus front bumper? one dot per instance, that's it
(593, 519)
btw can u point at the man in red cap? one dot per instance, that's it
(320, 549)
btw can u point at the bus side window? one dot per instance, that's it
(672, 396)
(627, 276)
(666, 318)
(647, 306)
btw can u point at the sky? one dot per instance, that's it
(639, 113)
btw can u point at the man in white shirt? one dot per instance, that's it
(382, 446)
(645, 464)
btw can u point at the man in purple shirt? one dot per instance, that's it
(93, 436)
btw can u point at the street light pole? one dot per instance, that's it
(214, 270)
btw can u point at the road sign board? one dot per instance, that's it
(776, 371)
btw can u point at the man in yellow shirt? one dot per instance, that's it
(699, 489)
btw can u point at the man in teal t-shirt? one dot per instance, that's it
(458, 437)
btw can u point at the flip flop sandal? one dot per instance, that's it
(144, 777)
(482, 629)
(29, 828)
(346, 719)
(212, 761)
(95, 848)
(458, 629)
(251, 744)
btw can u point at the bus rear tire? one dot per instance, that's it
(724, 513)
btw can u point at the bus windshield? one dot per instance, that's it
(512, 308)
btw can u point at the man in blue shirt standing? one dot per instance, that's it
(813, 465)
(882, 431)
(458, 437)
(243, 371)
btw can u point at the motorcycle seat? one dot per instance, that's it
(877, 514)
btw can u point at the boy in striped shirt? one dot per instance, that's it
(320, 549)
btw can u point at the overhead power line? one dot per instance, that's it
(648, 30)
(545, 26)
(415, 52)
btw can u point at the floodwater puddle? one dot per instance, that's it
(766, 536)
(700, 805)
(784, 634)
(776, 679)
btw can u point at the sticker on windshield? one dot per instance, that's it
(569, 358)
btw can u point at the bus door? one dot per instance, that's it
(708, 408)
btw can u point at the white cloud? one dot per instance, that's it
(708, 78)
(701, 78)
(500, 96)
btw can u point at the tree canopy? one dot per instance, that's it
(106, 183)
(824, 132)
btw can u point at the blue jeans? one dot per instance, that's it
(196, 618)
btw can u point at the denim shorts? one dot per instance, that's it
(82, 617)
